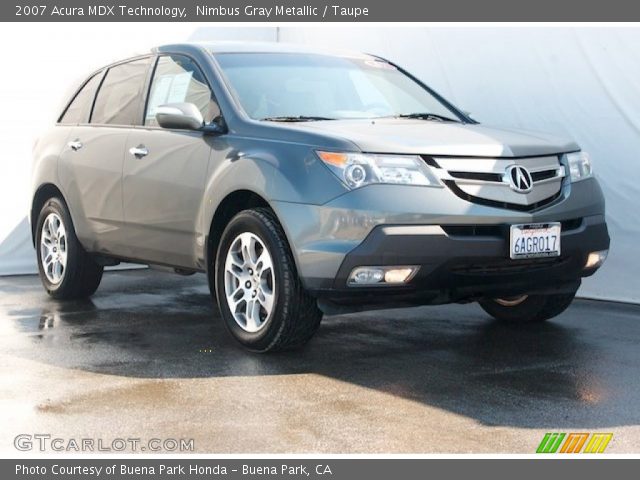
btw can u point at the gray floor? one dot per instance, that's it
(148, 357)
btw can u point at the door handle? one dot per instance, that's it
(75, 145)
(139, 151)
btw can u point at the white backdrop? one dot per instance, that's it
(583, 82)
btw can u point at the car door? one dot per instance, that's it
(165, 170)
(92, 161)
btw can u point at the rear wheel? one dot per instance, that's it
(67, 271)
(527, 308)
(261, 298)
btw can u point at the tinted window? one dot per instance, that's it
(118, 99)
(80, 108)
(178, 79)
(283, 85)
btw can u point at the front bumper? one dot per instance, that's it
(459, 263)
(461, 247)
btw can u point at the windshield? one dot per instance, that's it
(309, 86)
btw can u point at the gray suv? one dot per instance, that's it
(304, 182)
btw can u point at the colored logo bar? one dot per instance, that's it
(574, 442)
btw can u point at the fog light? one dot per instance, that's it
(397, 275)
(595, 259)
(362, 276)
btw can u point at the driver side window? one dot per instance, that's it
(178, 79)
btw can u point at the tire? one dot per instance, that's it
(284, 316)
(528, 308)
(79, 276)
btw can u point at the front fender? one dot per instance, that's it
(276, 171)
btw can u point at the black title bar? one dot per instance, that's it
(320, 11)
(317, 469)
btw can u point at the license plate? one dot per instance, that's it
(535, 240)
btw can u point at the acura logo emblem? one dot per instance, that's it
(519, 179)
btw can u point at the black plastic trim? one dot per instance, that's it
(493, 203)
(485, 177)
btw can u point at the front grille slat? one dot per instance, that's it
(544, 175)
(501, 230)
(473, 230)
(506, 205)
(508, 266)
(486, 177)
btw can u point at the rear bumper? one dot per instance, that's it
(459, 263)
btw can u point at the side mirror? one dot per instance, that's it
(184, 116)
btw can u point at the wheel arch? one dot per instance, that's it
(42, 194)
(232, 204)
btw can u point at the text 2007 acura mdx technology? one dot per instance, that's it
(304, 182)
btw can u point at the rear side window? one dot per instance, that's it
(118, 100)
(178, 79)
(79, 109)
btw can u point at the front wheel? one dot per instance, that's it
(261, 298)
(527, 308)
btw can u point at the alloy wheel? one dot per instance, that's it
(53, 248)
(249, 282)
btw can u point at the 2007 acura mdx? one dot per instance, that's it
(304, 182)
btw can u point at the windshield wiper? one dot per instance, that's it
(297, 118)
(427, 116)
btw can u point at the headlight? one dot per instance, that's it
(359, 169)
(579, 165)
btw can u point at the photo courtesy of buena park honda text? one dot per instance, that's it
(312, 239)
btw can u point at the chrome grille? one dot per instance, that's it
(485, 180)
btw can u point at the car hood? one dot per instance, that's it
(440, 138)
